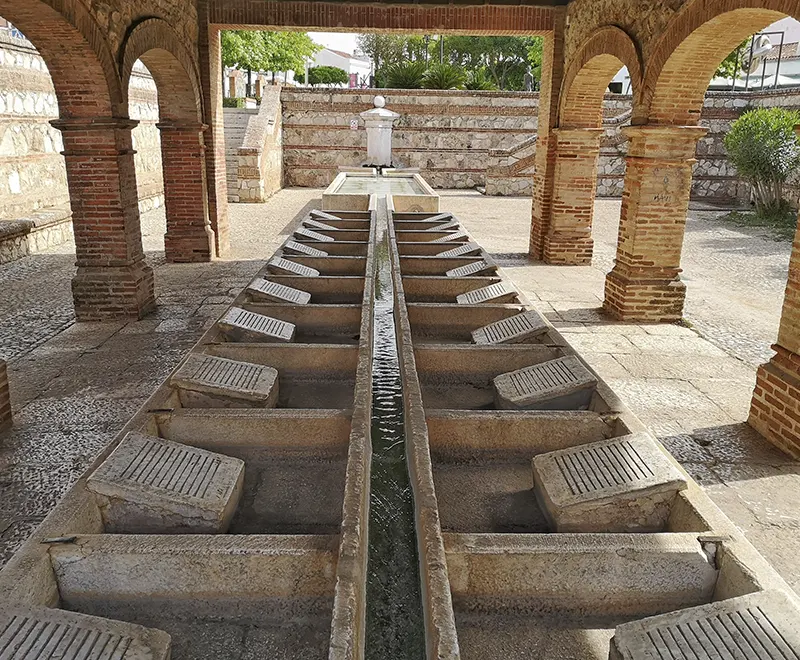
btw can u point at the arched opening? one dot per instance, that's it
(112, 278)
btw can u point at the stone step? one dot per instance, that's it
(447, 226)
(516, 329)
(293, 247)
(266, 291)
(302, 232)
(316, 213)
(281, 266)
(316, 224)
(42, 633)
(621, 485)
(464, 250)
(764, 625)
(241, 325)
(454, 237)
(207, 381)
(494, 293)
(560, 384)
(155, 486)
(482, 267)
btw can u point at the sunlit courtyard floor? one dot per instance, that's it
(75, 385)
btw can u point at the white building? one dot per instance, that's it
(358, 68)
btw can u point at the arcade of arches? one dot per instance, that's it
(671, 50)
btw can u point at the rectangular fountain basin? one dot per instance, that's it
(351, 191)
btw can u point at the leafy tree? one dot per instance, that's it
(382, 49)
(765, 150)
(505, 59)
(479, 80)
(325, 75)
(405, 75)
(733, 63)
(444, 76)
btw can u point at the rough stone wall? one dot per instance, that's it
(260, 167)
(447, 134)
(32, 173)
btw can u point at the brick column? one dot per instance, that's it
(644, 284)
(775, 408)
(189, 237)
(113, 280)
(5, 399)
(569, 237)
(544, 159)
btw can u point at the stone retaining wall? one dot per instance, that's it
(260, 166)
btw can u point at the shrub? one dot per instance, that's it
(479, 80)
(444, 76)
(326, 75)
(232, 102)
(405, 75)
(765, 150)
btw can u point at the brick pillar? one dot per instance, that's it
(544, 159)
(189, 237)
(644, 284)
(775, 408)
(5, 399)
(569, 236)
(113, 280)
(211, 83)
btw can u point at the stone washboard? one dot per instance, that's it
(518, 329)
(208, 381)
(153, 486)
(465, 250)
(447, 226)
(621, 485)
(281, 266)
(266, 291)
(293, 247)
(764, 625)
(452, 237)
(439, 217)
(310, 235)
(481, 267)
(560, 384)
(239, 324)
(43, 633)
(316, 224)
(316, 213)
(494, 293)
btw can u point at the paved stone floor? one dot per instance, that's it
(75, 385)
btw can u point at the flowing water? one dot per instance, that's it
(395, 622)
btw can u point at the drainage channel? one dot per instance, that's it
(395, 621)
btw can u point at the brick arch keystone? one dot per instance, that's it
(588, 74)
(684, 59)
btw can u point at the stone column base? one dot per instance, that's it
(185, 249)
(568, 248)
(644, 298)
(775, 408)
(103, 293)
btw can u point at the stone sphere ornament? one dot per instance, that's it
(379, 101)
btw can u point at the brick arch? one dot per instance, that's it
(589, 73)
(78, 58)
(692, 47)
(176, 75)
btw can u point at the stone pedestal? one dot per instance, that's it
(568, 240)
(379, 122)
(112, 280)
(644, 284)
(189, 237)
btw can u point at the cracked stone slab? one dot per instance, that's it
(517, 329)
(560, 384)
(294, 247)
(316, 213)
(208, 381)
(44, 633)
(153, 486)
(625, 484)
(494, 293)
(453, 237)
(465, 250)
(759, 626)
(312, 235)
(242, 325)
(482, 267)
(316, 224)
(264, 290)
(283, 266)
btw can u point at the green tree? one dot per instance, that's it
(325, 75)
(765, 150)
(733, 62)
(382, 49)
(444, 76)
(505, 59)
(478, 80)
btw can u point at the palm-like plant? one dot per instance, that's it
(444, 76)
(405, 75)
(479, 80)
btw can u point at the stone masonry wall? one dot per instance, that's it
(446, 134)
(32, 173)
